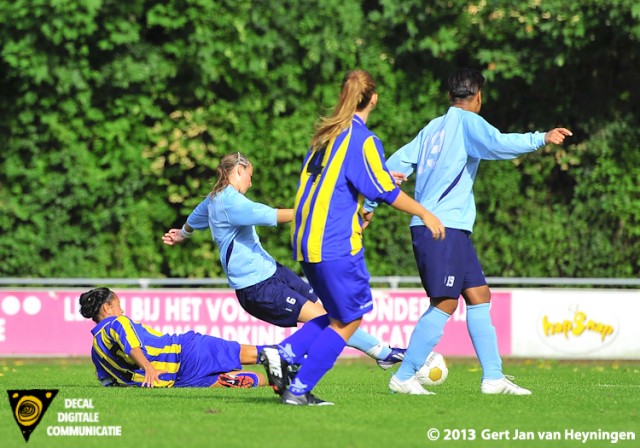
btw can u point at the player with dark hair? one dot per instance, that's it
(345, 163)
(445, 156)
(265, 289)
(126, 353)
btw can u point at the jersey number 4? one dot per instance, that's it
(314, 167)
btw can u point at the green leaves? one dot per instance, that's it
(114, 116)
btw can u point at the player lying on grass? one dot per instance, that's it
(265, 289)
(126, 353)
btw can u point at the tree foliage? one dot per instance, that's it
(115, 114)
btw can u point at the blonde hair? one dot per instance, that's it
(358, 87)
(224, 169)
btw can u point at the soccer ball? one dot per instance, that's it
(434, 372)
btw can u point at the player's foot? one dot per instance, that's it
(292, 371)
(307, 399)
(411, 386)
(396, 356)
(276, 368)
(244, 380)
(503, 386)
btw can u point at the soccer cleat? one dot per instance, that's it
(244, 380)
(292, 371)
(396, 356)
(411, 386)
(503, 386)
(307, 399)
(276, 368)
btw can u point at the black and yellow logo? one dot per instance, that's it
(29, 407)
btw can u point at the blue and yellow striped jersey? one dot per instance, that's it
(115, 337)
(333, 184)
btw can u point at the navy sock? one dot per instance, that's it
(260, 348)
(321, 357)
(293, 348)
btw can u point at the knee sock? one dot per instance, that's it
(293, 348)
(366, 343)
(321, 357)
(259, 348)
(485, 341)
(424, 338)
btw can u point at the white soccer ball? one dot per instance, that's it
(434, 372)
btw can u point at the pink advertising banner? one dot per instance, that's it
(48, 322)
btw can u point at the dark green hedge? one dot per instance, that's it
(114, 114)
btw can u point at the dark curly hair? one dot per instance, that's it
(463, 83)
(91, 301)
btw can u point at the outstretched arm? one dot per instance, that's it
(197, 220)
(367, 215)
(557, 135)
(285, 215)
(406, 204)
(177, 236)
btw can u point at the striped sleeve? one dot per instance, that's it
(370, 175)
(123, 334)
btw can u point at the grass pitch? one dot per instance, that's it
(600, 398)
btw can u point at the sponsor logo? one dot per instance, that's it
(29, 406)
(298, 387)
(578, 330)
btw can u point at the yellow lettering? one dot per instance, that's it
(567, 327)
(552, 328)
(607, 331)
(601, 328)
(579, 318)
(546, 326)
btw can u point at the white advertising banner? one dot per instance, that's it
(575, 324)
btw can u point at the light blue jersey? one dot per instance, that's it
(232, 218)
(446, 154)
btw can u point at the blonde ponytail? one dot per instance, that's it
(357, 89)
(224, 169)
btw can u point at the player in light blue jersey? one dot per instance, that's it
(127, 353)
(265, 289)
(445, 156)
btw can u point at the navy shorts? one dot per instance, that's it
(278, 299)
(449, 266)
(205, 357)
(343, 286)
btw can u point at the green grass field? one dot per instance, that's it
(580, 396)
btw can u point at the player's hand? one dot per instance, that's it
(151, 376)
(435, 225)
(366, 218)
(173, 237)
(398, 177)
(557, 135)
